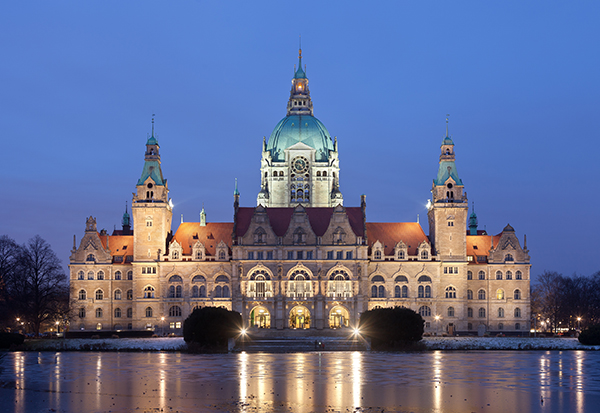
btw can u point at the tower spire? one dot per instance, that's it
(447, 116)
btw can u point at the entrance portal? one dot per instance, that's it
(338, 317)
(260, 317)
(300, 317)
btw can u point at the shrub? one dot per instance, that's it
(9, 339)
(211, 327)
(397, 327)
(590, 336)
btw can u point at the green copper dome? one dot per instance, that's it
(300, 128)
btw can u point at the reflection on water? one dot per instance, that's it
(302, 382)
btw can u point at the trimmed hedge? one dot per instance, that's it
(590, 336)
(9, 339)
(390, 328)
(211, 327)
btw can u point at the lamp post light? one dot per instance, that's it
(437, 319)
(578, 323)
(57, 323)
(162, 325)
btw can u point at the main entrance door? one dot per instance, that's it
(260, 317)
(338, 317)
(299, 317)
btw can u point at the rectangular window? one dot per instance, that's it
(309, 255)
(329, 255)
(171, 325)
(445, 270)
(450, 223)
(178, 324)
(299, 255)
(269, 255)
(348, 255)
(260, 255)
(339, 255)
(143, 270)
(290, 255)
(250, 255)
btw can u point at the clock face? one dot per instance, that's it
(300, 164)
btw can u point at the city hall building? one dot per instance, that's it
(301, 258)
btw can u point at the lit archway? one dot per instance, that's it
(260, 317)
(339, 317)
(299, 317)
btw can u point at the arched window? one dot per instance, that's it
(324, 173)
(469, 294)
(498, 275)
(91, 275)
(517, 326)
(424, 279)
(517, 294)
(500, 294)
(397, 292)
(82, 295)
(518, 275)
(427, 291)
(517, 313)
(377, 278)
(175, 311)
(222, 278)
(508, 257)
(148, 311)
(225, 291)
(500, 326)
(381, 291)
(481, 295)
(117, 294)
(482, 312)
(149, 292)
(450, 292)
(424, 255)
(469, 275)
(202, 291)
(401, 255)
(100, 275)
(469, 326)
(118, 275)
(218, 291)
(401, 279)
(501, 313)
(82, 312)
(377, 255)
(404, 291)
(172, 291)
(421, 291)
(195, 292)
(481, 275)
(90, 257)
(130, 294)
(80, 275)
(98, 313)
(222, 255)
(198, 279)
(425, 311)
(450, 311)
(470, 312)
(318, 173)
(99, 295)
(374, 291)
(129, 275)
(130, 313)
(117, 312)
(509, 275)
(175, 279)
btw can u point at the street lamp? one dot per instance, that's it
(578, 323)
(162, 325)
(57, 323)
(437, 319)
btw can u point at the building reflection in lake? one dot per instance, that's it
(302, 382)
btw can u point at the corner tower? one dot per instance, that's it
(449, 208)
(300, 163)
(151, 207)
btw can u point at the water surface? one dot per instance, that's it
(475, 381)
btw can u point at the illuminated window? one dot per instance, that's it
(500, 294)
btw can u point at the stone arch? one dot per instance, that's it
(299, 268)
(299, 317)
(260, 317)
(339, 316)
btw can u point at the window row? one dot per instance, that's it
(501, 313)
(481, 295)
(500, 326)
(174, 311)
(400, 255)
(100, 275)
(499, 275)
(197, 291)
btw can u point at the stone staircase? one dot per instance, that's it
(293, 341)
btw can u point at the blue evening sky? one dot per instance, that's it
(80, 81)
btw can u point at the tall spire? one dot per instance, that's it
(235, 191)
(300, 102)
(447, 116)
(473, 221)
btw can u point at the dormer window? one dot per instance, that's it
(339, 236)
(299, 236)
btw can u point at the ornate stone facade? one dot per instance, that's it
(300, 258)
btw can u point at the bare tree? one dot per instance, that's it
(38, 283)
(9, 250)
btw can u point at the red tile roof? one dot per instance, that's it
(210, 235)
(120, 245)
(481, 244)
(390, 233)
(280, 218)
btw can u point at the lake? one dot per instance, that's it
(474, 381)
